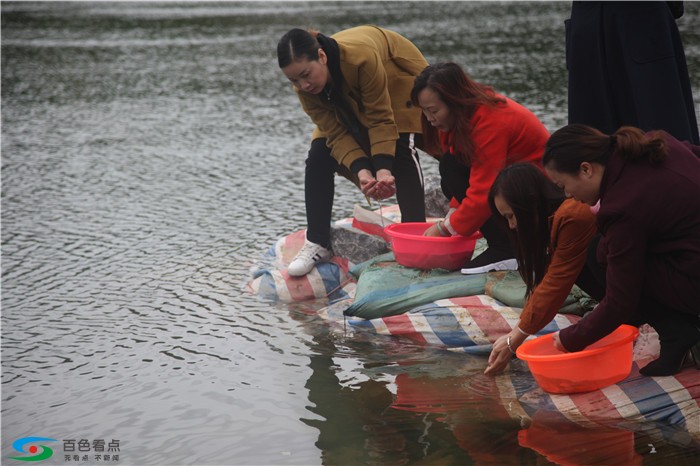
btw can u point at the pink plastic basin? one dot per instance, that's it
(603, 363)
(412, 249)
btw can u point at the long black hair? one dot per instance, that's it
(533, 198)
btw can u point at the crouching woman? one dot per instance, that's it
(355, 86)
(648, 185)
(551, 235)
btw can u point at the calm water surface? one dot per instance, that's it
(150, 153)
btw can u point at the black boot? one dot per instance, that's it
(673, 355)
(499, 255)
(677, 337)
(695, 351)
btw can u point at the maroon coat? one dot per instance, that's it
(649, 220)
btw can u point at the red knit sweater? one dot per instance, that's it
(502, 135)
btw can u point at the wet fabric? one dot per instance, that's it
(386, 288)
(270, 280)
(667, 408)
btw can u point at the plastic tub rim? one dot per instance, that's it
(522, 354)
(441, 239)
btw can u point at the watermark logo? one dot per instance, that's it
(38, 452)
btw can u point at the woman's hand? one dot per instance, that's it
(367, 181)
(432, 231)
(500, 354)
(557, 343)
(382, 187)
(386, 185)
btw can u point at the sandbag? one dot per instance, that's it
(327, 281)
(665, 408)
(509, 288)
(386, 288)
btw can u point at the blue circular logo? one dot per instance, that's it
(39, 452)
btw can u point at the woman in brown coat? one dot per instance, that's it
(356, 87)
(551, 236)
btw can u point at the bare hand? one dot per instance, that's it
(386, 185)
(557, 343)
(367, 181)
(432, 231)
(500, 354)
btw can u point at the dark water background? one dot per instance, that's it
(150, 153)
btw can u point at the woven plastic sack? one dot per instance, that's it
(386, 288)
(509, 289)
(329, 280)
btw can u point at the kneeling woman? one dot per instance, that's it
(355, 86)
(475, 132)
(648, 185)
(551, 235)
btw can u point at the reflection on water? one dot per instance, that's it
(150, 153)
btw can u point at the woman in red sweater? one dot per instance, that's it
(475, 132)
(551, 235)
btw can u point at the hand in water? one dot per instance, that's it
(500, 354)
(432, 231)
(557, 343)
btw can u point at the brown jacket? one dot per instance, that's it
(379, 67)
(573, 227)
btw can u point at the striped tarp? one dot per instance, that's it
(667, 407)
(327, 281)
(663, 407)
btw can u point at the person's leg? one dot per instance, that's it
(679, 332)
(409, 179)
(454, 180)
(499, 255)
(454, 177)
(319, 190)
(592, 278)
(497, 237)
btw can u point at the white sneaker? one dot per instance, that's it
(508, 264)
(307, 258)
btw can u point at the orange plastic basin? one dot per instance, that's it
(603, 363)
(412, 249)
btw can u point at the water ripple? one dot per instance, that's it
(150, 153)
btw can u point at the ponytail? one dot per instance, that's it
(633, 145)
(296, 45)
(574, 144)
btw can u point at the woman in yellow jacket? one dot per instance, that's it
(356, 87)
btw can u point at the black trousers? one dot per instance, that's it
(454, 181)
(319, 186)
(592, 277)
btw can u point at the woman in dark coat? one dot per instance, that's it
(627, 67)
(648, 185)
